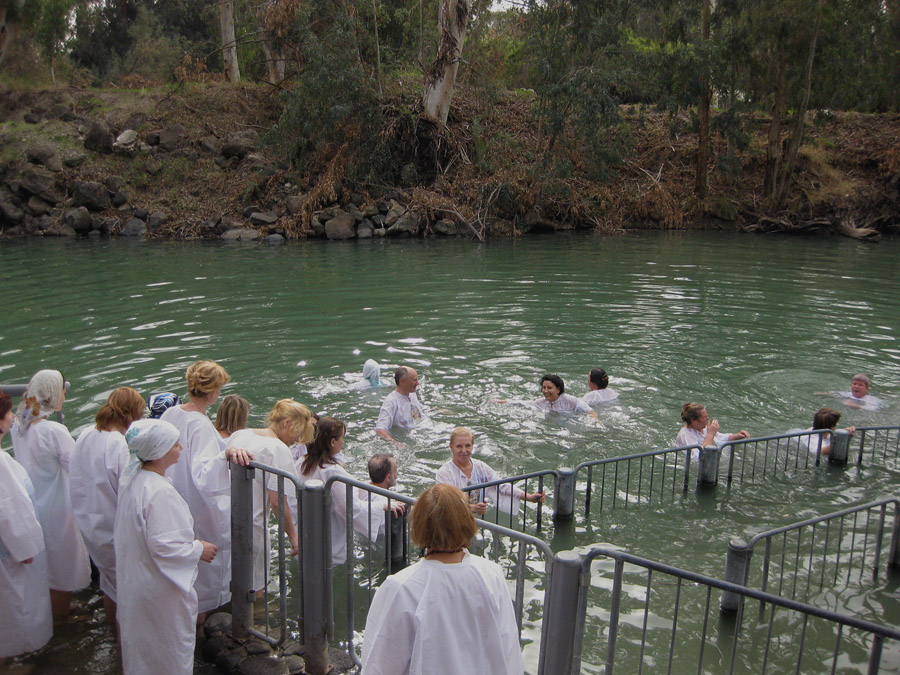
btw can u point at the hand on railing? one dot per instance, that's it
(478, 507)
(238, 456)
(739, 436)
(536, 497)
(209, 551)
(397, 508)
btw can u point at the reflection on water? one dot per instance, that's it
(754, 327)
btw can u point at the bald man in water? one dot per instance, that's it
(401, 408)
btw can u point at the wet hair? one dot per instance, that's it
(599, 377)
(826, 418)
(204, 377)
(302, 424)
(400, 373)
(318, 453)
(462, 431)
(859, 377)
(691, 412)
(441, 519)
(6, 403)
(124, 406)
(232, 414)
(556, 380)
(380, 467)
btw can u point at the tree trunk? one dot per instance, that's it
(274, 63)
(8, 30)
(773, 147)
(790, 161)
(229, 46)
(441, 77)
(703, 141)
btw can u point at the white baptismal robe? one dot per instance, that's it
(507, 498)
(596, 396)
(26, 622)
(271, 451)
(201, 476)
(97, 462)
(44, 450)
(443, 619)
(398, 410)
(688, 436)
(565, 403)
(156, 561)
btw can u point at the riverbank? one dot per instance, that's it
(198, 161)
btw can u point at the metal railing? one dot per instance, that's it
(501, 494)
(769, 456)
(878, 444)
(833, 547)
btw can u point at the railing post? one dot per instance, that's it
(565, 494)
(894, 553)
(708, 473)
(562, 621)
(736, 564)
(840, 446)
(242, 595)
(395, 528)
(316, 593)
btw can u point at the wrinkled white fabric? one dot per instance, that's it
(151, 439)
(156, 561)
(600, 396)
(399, 411)
(506, 497)
(201, 476)
(26, 622)
(44, 448)
(565, 403)
(688, 436)
(443, 619)
(867, 402)
(95, 468)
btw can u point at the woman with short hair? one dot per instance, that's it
(451, 612)
(232, 415)
(98, 459)
(554, 397)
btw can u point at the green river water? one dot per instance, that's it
(751, 326)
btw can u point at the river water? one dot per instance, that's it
(754, 327)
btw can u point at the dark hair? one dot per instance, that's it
(124, 406)
(318, 453)
(691, 412)
(380, 467)
(400, 373)
(826, 418)
(441, 519)
(599, 377)
(6, 403)
(556, 380)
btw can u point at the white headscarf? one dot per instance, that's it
(41, 398)
(372, 372)
(151, 439)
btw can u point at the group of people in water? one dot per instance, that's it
(148, 500)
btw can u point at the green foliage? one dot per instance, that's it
(153, 53)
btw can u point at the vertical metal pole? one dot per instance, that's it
(840, 447)
(708, 474)
(394, 544)
(614, 608)
(894, 553)
(562, 620)
(317, 555)
(565, 494)
(242, 592)
(736, 565)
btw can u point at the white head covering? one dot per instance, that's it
(372, 372)
(151, 439)
(41, 398)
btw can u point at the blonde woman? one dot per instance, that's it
(288, 422)
(232, 415)
(44, 447)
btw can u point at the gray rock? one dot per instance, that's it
(74, 161)
(364, 231)
(38, 181)
(214, 645)
(31, 118)
(382, 206)
(209, 144)
(256, 162)
(219, 622)
(134, 228)
(172, 137)
(113, 183)
(120, 199)
(295, 203)
(370, 210)
(143, 214)
(407, 224)
(156, 219)
(239, 143)
(317, 227)
(262, 665)
(10, 214)
(188, 153)
(229, 662)
(275, 239)
(43, 223)
(342, 226)
(379, 232)
(257, 648)
(37, 206)
(152, 138)
(378, 220)
(263, 218)
(94, 234)
(250, 210)
(294, 665)
(41, 153)
(227, 162)
(240, 234)
(446, 227)
(357, 199)
(92, 195)
(394, 212)
(356, 213)
(127, 142)
(15, 230)
(152, 166)
(79, 219)
(56, 111)
(60, 230)
(210, 224)
(99, 138)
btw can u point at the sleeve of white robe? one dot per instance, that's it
(386, 414)
(64, 446)
(170, 538)
(581, 406)
(209, 467)
(20, 530)
(339, 504)
(390, 632)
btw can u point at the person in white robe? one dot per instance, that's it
(599, 390)
(451, 612)
(699, 430)
(462, 470)
(371, 376)
(98, 459)
(321, 463)
(555, 398)
(859, 396)
(231, 416)
(156, 558)
(26, 621)
(202, 478)
(825, 418)
(383, 473)
(44, 447)
(288, 423)
(401, 408)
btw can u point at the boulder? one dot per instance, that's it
(364, 231)
(113, 183)
(127, 142)
(226, 163)
(37, 206)
(41, 153)
(10, 214)
(31, 118)
(317, 227)
(152, 166)
(40, 182)
(407, 225)
(263, 665)
(240, 234)
(143, 214)
(120, 198)
(99, 138)
(74, 161)
(134, 228)
(342, 226)
(275, 239)
(370, 210)
(93, 195)
(294, 204)
(393, 214)
(56, 111)
(156, 219)
(152, 138)
(357, 199)
(219, 622)
(446, 227)
(60, 230)
(171, 138)
(239, 143)
(209, 144)
(263, 218)
(79, 219)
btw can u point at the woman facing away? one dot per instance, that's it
(825, 418)
(156, 558)
(98, 459)
(598, 383)
(44, 448)
(232, 415)
(288, 422)
(451, 612)
(26, 621)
